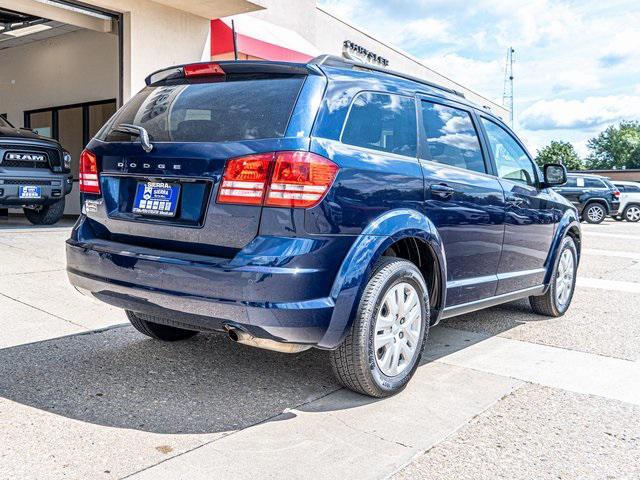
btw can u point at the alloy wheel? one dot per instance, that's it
(595, 213)
(632, 214)
(564, 278)
(397, 329)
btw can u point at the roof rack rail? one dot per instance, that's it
(335, 61)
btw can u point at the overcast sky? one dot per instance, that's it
(577, 64)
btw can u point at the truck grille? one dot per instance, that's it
(52, 157)
(24, 164)
(29, 181)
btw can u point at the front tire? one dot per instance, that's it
(558, 298)
(632, 213)
(145, 324)
(46, 214)
(383, 348)
(594, 213)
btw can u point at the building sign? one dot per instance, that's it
(353, 51)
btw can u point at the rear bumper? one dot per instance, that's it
(53, 187)
(286, 302)
(614, 209)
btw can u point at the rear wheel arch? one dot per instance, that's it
(402, 228)
(422, 254)
(574, 233)
(601, 201)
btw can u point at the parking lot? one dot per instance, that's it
(502, 393)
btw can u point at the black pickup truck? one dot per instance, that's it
(34, 174)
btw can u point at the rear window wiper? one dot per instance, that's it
(136, 131)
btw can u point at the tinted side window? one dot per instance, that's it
(594, 183)
(622, 188)
(632, 188)
(451, 137)
(511, 160)
(382, 122)
(571, 183)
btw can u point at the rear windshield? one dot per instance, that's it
(233, 110)
(3, 122)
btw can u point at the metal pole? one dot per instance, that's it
(235, 45)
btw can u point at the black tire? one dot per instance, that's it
(548, 304)
(594, 213)
(630, 213)
(45, 215)
(354, 361)
(145, 324)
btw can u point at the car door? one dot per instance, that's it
(530, 214)
(463, 199)
(571, 191)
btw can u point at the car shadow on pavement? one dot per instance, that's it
(208, 384)
(19, 221)
(118, 378)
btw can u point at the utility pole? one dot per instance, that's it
(507, 90)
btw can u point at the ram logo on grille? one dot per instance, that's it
(25, 157)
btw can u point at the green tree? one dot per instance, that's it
(560, 152)
(616, 147)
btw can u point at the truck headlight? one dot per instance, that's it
(67, 160)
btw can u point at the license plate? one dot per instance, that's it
(28, 191)
(156, 198)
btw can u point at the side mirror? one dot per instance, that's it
(555, 175)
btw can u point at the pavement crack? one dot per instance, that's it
(367, 432)
(16, 274)
(43, 311)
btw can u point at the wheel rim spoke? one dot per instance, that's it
(564, 278)
(397, 329)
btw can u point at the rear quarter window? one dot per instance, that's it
(381, 121)
(233, 110)
(595, 183)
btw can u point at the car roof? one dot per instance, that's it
(409, 82)
(590, 175)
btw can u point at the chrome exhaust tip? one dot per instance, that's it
(240, 336)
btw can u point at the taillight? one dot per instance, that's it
(299, 180)
(89, 182)
(202, 70)
(290, 179)
(245, 179)
(616, 193)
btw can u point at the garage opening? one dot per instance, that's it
(61, 72)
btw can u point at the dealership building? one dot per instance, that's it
(66, 66)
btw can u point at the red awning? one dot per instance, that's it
(260, 39)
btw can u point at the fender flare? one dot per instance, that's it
(356, 268)
(600, 200)
(568, 221)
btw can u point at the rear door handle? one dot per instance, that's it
(441, 190)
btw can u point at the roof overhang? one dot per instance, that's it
(61, 12)
(260, 39)
(213, 8)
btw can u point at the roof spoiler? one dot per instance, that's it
(226, 67)
(335, 61)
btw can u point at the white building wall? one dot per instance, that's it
(76, 67)
(157, 36)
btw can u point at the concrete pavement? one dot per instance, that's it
(502, 393)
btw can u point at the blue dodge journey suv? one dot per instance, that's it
(329, 205)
